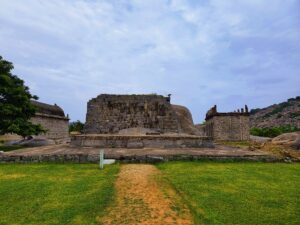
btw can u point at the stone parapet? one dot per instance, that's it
(142, 141)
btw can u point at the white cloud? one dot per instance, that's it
(204, 52)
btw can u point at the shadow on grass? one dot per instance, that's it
(10, 148)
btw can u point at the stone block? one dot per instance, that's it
(135, 144)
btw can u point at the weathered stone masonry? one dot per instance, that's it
(141, 141)
(138, 121)
(53, 119)
(232, 126)
(109, 114)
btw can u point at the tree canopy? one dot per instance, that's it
(15, 105)
(76, 126)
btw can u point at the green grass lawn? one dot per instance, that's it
(238, 193)
(54, 193)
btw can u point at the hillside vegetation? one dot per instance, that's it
(273, 131)
(278, 115)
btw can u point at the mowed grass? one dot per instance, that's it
(238, 193)
(55, 193)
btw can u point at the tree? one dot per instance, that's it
(15, 105)
(76, 126)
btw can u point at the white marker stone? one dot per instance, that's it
(101, 163)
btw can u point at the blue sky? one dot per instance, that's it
(203, 52)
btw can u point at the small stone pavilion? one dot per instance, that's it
(230, 126)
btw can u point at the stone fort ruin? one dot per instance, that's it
(112, 114)
(138, 121)
(141, 121)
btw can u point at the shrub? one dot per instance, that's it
(76, 126)
(272, 131)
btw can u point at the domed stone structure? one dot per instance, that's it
(47, 109)
(185, 120)
(53, 119)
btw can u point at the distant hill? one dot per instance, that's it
(284, 113)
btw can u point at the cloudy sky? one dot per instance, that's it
(203, 52)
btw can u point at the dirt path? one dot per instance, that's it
(143, 198)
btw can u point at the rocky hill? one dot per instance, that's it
(282, 114)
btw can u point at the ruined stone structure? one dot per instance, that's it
(53, 119)
(232, 126)
(138, 121)
(185, 120)
(110, 114)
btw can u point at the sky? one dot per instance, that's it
(203, 52)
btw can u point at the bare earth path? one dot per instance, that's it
(143, 198)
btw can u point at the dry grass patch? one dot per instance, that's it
(142, 197)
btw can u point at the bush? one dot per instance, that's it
(76, 126)
(272, 131)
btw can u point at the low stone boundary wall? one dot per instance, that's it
(76, 158)
(84, 158)
(142, 141)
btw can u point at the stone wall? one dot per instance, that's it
(56, 126)
(228, 127)
(86, 158)
(201, 129)
(142, 141)
(53, 119)
(233, 126)
(109, 114)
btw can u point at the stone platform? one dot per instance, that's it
(67, 153)
(141, 141)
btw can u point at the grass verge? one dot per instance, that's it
(54, 193)
(238, 193)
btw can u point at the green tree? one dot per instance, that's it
(15, 105)
(76, 126)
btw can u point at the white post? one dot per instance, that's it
(101, 163)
